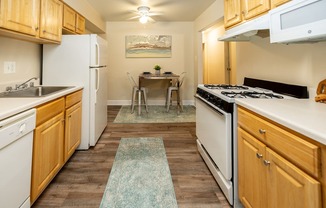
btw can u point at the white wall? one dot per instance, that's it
(119, 90)
(27, 57)
(302, 64)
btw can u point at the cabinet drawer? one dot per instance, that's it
(290, 145)
(73, 98)
(49, 110)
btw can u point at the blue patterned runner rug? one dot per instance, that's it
(140, 176)
(156, 114)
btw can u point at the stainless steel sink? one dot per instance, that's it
(39, 91)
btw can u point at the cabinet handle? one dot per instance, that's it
(262, 131)
(267, 163)
(36, 29)
(258, 155)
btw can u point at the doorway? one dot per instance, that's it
(216, 56)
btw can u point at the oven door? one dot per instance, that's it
(213, 129)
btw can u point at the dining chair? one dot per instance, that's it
(136, 91)
(175, 87)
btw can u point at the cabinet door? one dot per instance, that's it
(289, 186)
(73, 129)
(51, 20)
(69, 18)
(251, 171)
(80, 24)
(276, 3)
(20, 15)
(232, 12)
(252, 8)
(47, 153)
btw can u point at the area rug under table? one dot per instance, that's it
(156, 114)
(140, 176)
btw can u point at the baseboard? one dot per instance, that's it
(150, 102)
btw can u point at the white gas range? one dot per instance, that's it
(216, 121)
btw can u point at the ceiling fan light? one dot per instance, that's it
(143, 19)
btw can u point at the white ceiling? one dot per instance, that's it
(172, 10)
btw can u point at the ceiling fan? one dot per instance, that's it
(144, 14)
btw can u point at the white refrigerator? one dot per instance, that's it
(81, 60)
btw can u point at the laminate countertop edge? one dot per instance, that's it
(13, 106)
(304, 116)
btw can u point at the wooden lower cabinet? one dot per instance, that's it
(47, 153)
(73, 129)
(288, 185)
(56, 137)
(252, 173)
(266, 176)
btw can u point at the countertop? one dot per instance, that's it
(301, 115)
(12, 106)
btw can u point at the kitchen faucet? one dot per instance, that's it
(24, 84)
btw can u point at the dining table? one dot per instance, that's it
(150, 76)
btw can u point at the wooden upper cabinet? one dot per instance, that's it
(72, 23)
(237, 11)
(253, 8)
(80, 24)
(232, 12)
(20, 16)
(51, 20)
(69, 18)
(276, 3)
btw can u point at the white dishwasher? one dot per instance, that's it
(16, 144)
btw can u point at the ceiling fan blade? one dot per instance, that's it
(164, 3)
(135, 17)
(151, 19)
(155, 14)
(133, 11)
(131, 2)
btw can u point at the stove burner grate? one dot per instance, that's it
(225, 86)
(251, 94)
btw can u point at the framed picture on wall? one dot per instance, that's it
(148, 46)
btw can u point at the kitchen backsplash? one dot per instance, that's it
(26, 57)
(301, 64)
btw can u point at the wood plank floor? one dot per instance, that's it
(82, 181)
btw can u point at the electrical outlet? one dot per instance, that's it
(9, 67)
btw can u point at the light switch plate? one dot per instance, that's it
(9, 67)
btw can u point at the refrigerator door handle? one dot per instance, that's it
(97, 46)
(97, 83)
(95, 67)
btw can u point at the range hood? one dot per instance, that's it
(245, 31)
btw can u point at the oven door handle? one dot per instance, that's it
(216, 109)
